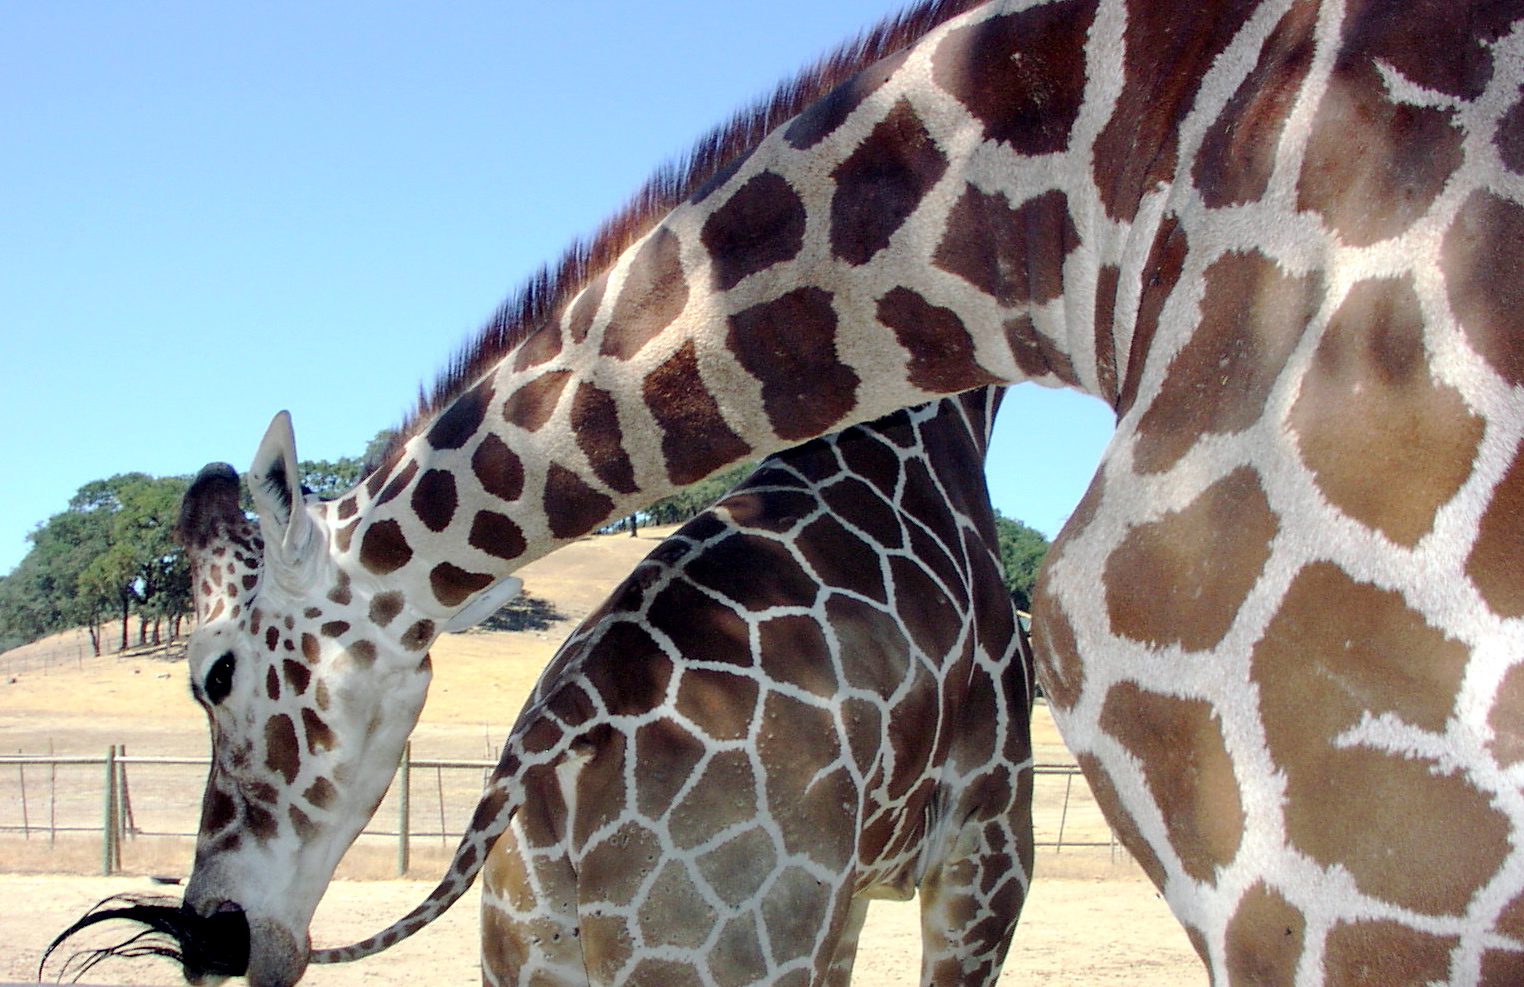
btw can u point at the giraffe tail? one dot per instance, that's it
(499, 801)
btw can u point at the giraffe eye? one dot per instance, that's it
(219, 681)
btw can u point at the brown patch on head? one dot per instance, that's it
(1482, 254)
(384, 608)
(1364, 654)
(1251, 317)
(531, 406)
(653, 295)
(297, 675)
(572, 507)
(1372, 167)
(282, 753)
(789, 344)
(1369, 411)
(941, 350)
(881, 183)
(1237, 155)
(1187, 769)
(451, 584)
(498, 469)
(1163, 67)
(434, 499)
(384, 547)
(595, 421)
(1380, 953)
(496, 534)
(462, 419)
(320, 793)
(1021, 75)
(1016, 255)
(1182, 579)
(695, 440)
(759, 226)
(1264, 938)
(319, 734)
(362, 653)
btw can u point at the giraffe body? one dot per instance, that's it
(1282, 630)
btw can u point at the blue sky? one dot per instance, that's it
(209, 212)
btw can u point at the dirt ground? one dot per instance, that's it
(1088, 921)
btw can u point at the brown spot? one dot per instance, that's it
(838, 557)
(1502, 966)
(260, 822)
(498, 469)
(1264, 938)
(1507, 719)
(1036, 355)
(719, 703)
(282, 753)
(698, 624)
(757, 573)
(1188, 771)
(667, 754)
(1059, 667)
(342, 538)
(434, 499)
(298, 675)
(272, 683)
(496, 534)
(385, 607)
(1182, 579)
(217, 810)
(758, 227)
(1428, 44)
(1021, 75)
(827, 114)
(1381, 953)
(310, 649)
(362, 653)
(419, 636)
(572, 507)
(1372, 167)
(1369, 411)
(1483, 252)
(452, 585)
(347, 508)
(1126, 829)
(399, 483)
(1365, 654)
(584, 309)
(384, 548)
(1014, 255)
(340, 593)
(306, 829)
(595, 422)
(789, 344)
(882, 183)
(541, 346)
(793, 651)
(320, 794)
(462, 419)
(653, 295)
(1166, 262)
(1105, 332)
(1509, 138)
(319, 734)
(335, 628)
(1251, 317)
(1163, 67)
(695, 439)
(272, 637)
(797, 741)
(1237, 155)
(941, 351)
(531, 406)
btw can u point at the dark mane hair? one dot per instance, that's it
(549, 289)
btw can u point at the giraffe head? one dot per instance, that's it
(312, 675)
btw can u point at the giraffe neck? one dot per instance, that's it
(825, 277)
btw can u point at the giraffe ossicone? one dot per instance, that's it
(1282, 631)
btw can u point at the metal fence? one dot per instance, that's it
(124, 797)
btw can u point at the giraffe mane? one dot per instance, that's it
(550, 288)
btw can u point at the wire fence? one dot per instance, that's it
(120, 798)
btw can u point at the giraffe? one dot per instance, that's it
(811, 695)
(1281, 632)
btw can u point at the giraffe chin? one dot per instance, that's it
(277, 958)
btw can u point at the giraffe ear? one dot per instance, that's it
(276, 485)
(488, 602)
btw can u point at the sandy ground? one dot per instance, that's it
(54, 697)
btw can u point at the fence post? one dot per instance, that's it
(109, 811)
(404, 777)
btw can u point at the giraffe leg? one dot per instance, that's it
(529, 916)
(840, 974)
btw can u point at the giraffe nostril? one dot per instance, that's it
(227, 906)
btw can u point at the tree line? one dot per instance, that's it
(109, 556)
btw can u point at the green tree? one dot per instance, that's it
(1022, 550)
